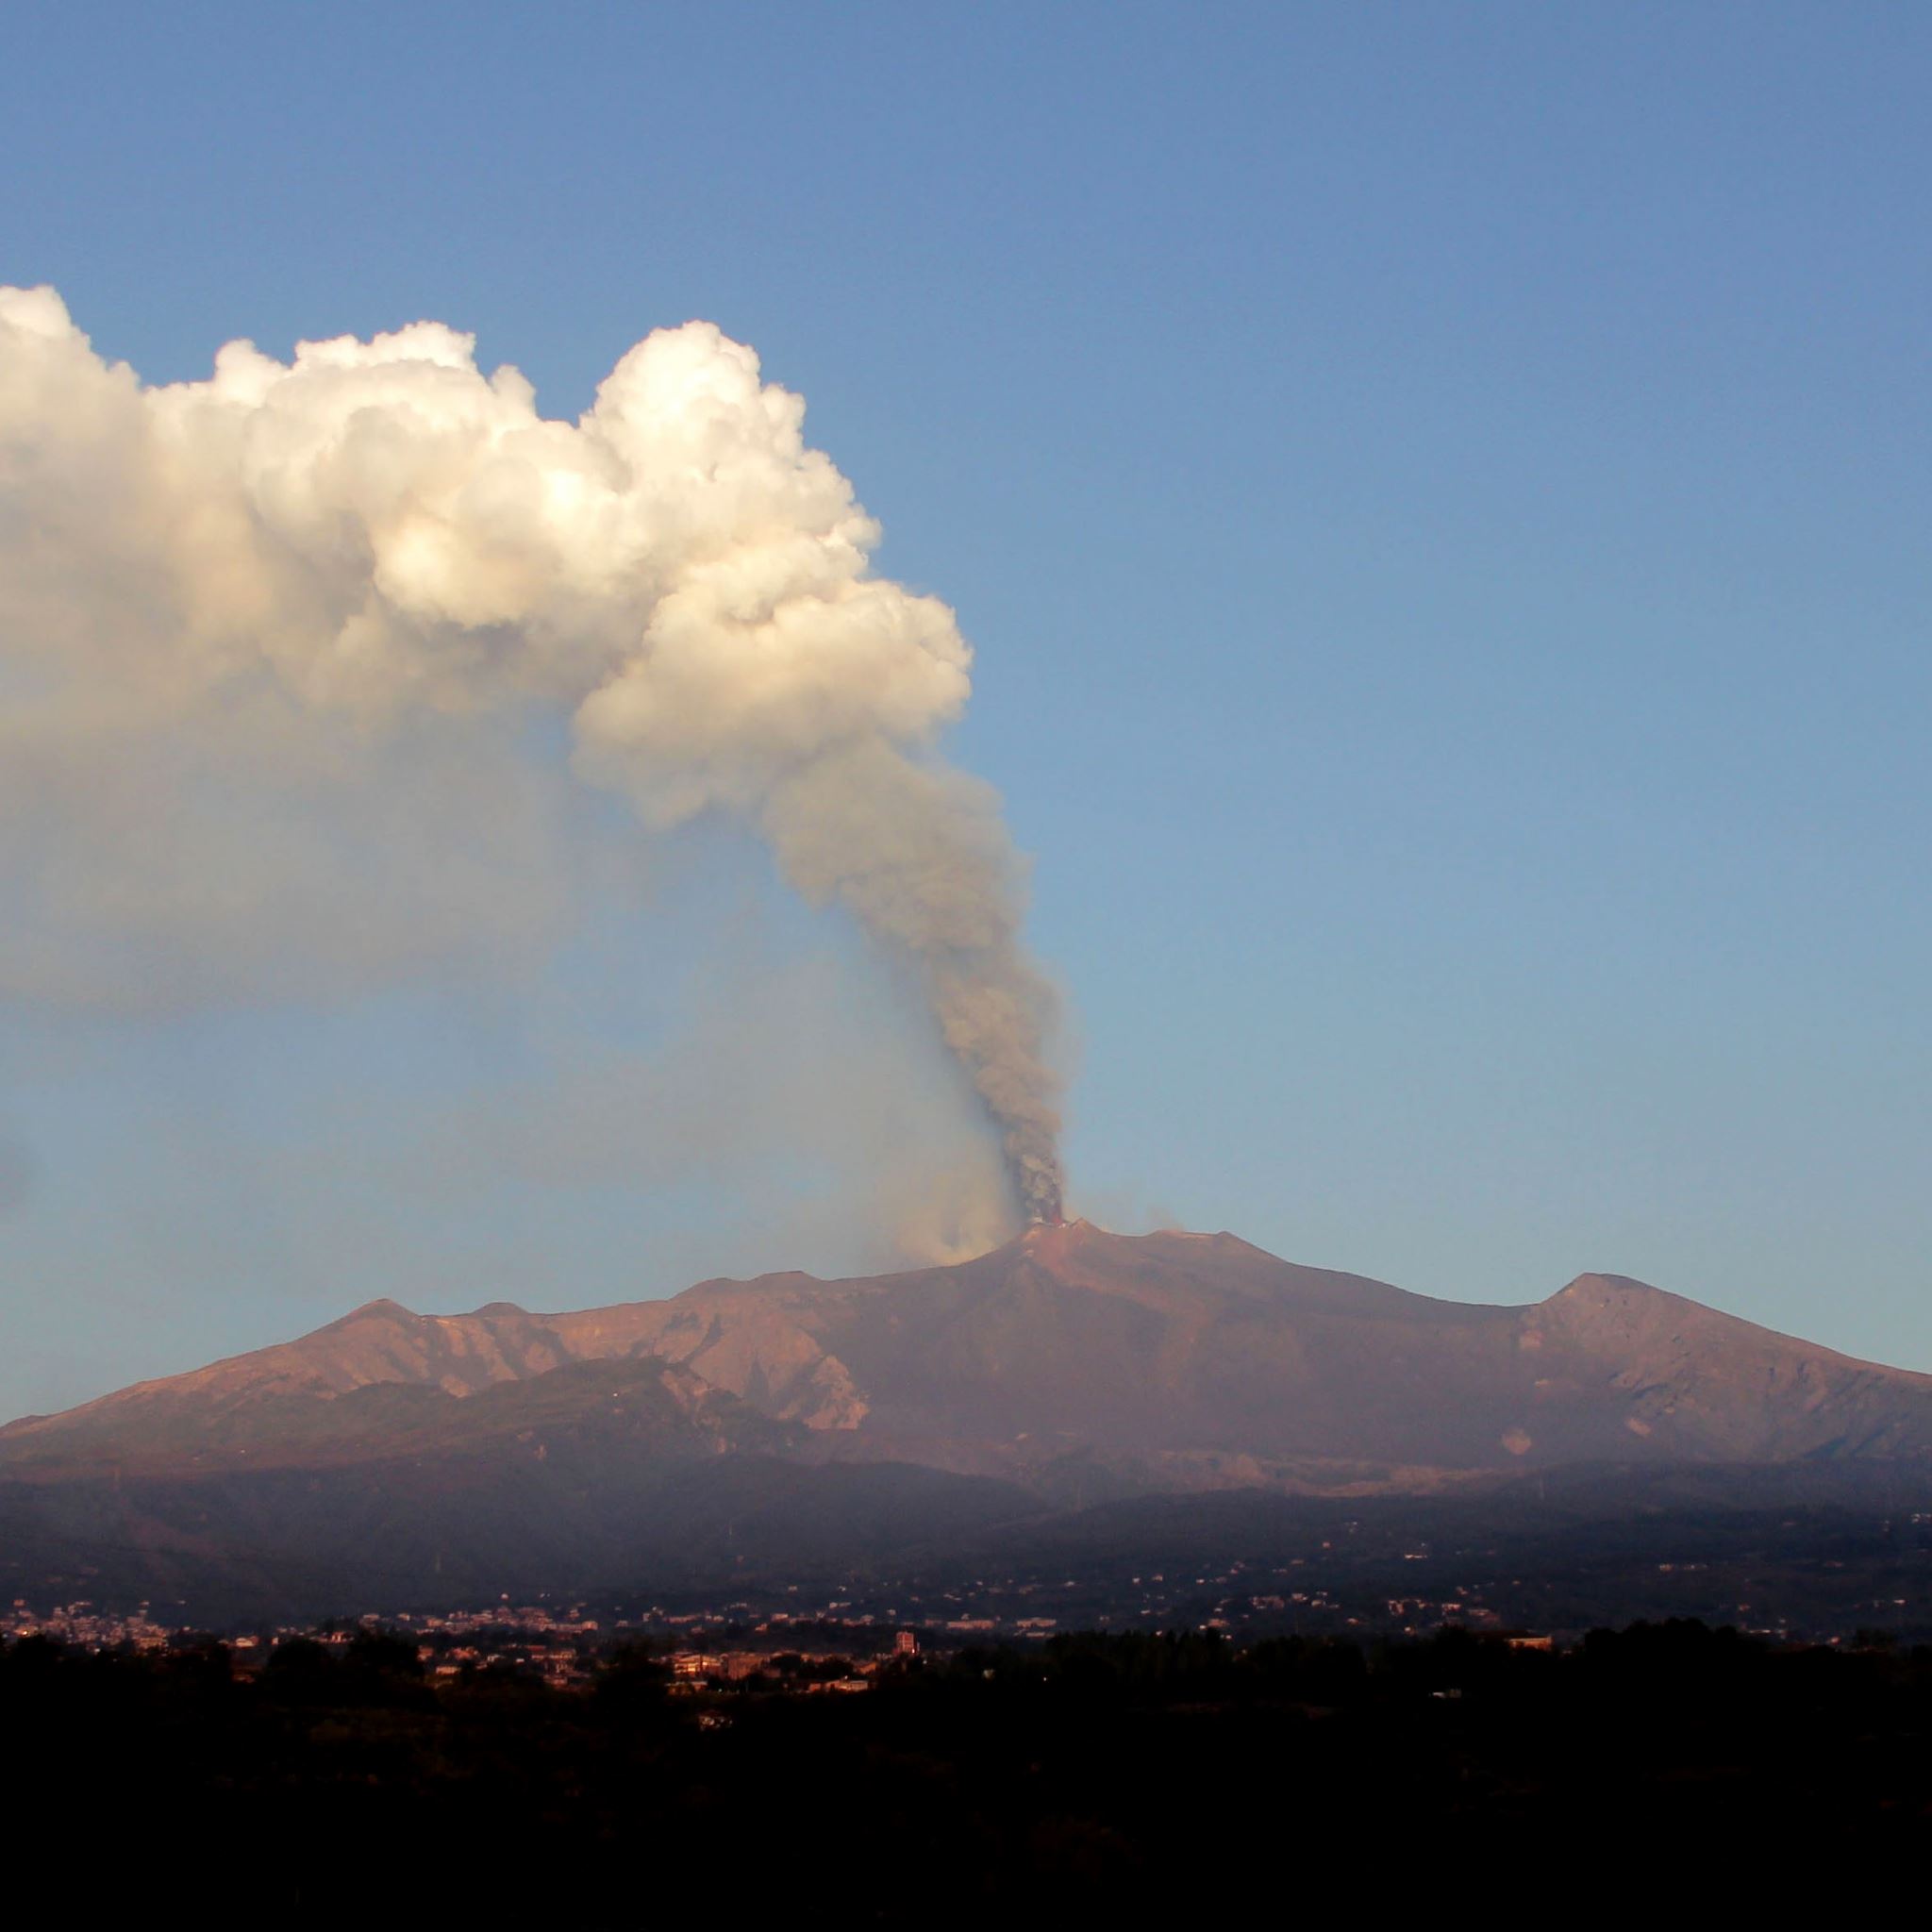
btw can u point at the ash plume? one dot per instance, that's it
(244, 596)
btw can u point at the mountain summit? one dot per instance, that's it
(786, 1423)
(1070, 1355)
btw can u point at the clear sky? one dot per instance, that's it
(1441, 499)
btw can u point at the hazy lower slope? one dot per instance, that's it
(589, 1475)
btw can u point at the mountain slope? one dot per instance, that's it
(786, 1423)
(1066, 1358)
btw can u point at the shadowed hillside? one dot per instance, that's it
(794, 1419)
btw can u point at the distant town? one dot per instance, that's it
(812, 1638)
(534, 1757)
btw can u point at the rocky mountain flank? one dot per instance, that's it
(1072, 1362)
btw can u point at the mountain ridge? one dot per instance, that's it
(1026, 1399)
(1160, 1349)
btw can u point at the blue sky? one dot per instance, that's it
(1440, 498)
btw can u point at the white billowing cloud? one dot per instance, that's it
(272, 646)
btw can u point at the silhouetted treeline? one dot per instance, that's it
(1148, 1776)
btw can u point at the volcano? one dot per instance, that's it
(1069, 1365)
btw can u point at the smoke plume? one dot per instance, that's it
(224, 604)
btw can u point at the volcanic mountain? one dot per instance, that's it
(1069, 1365)
(1190, 1361)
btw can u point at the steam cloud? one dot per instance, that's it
(245, 595)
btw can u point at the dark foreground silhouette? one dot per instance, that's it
(1145, 1778)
